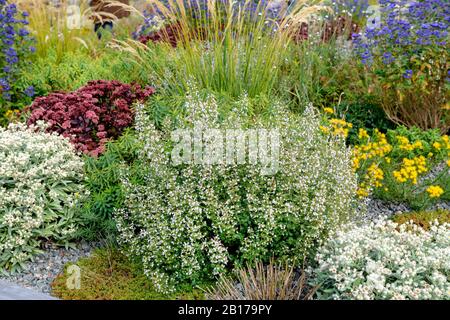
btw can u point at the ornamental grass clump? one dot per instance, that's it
(407, 53)
(91, 115)
(231, 47)
(194, 221)
(384, 260)
(263, 282)
(41, 184)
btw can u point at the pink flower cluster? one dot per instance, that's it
(91, 115)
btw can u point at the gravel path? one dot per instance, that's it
(10, 291)
(378, 208)
(39, 274)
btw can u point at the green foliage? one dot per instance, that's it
(103, 182)
(325, 74)
(402, 164)
(110, 275)
(76, 69)
(423, 218)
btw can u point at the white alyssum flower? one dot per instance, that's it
(39, 174)
(384, 260)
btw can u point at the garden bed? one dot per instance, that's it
(226, 150)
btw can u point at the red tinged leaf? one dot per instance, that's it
(91, 115)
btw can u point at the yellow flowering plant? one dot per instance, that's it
(394, 165)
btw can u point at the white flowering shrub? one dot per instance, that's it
(40, 181)
(385, 260)
(188, 222)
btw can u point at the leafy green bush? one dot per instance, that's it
(16, 49)
(110, 275)
(424, 219)
(75, 69)
(383, 260)
(190, 222)
(103, 182)
(41, 184)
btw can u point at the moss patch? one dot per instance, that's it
(109, 275)
(423, 218)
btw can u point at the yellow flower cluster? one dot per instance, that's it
(408, 146)
(324, 129)
(362, 134)
(10, 114)
(411, 169)
(340, 127)
(380, 147)
(372, 178)
(373, 155)
(435, 191)
(328, 110)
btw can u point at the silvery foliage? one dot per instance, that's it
(194, 221)
(383, 260)
(40, 184)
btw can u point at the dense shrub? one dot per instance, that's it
(41, 182)
(15, 48)
(189, 222)
(356, 9)
(385, 261)
(92, 115)
(407, 54)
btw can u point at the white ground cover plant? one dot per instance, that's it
(40, 185)
(384, 260)
(191, 222)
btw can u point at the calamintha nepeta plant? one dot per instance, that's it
(218, 217)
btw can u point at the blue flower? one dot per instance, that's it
(408, 74)
(406, 30)
(14, 47)
(29, 91)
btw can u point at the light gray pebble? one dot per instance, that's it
(40, 273)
